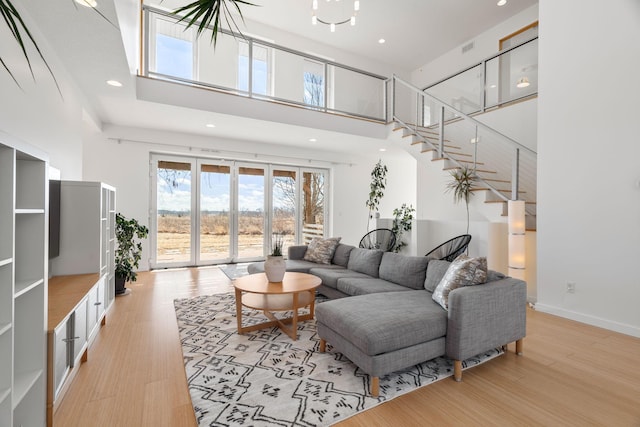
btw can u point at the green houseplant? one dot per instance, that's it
(402, 222)
(128, 250)
(376, 188)
(461, 184)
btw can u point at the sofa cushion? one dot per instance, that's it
(365, 261)
(341, 255)
(463, 271)
(321, 250)
(404, 270)
(360, 286)
(330, 276)
(296, 251)
(408, 318)
(435, 272)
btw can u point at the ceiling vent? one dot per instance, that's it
(467, 47)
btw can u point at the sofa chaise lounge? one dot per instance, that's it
(390, 320)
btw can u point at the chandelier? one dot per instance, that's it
(332, 24)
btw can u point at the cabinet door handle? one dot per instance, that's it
(97, 303)
(70, 339)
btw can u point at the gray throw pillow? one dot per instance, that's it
(321, 250)
(463, 271)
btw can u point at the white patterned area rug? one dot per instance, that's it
(263, 378)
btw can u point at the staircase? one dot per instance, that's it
(505, 169)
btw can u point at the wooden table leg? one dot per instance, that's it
(312, 307)
(239, 310)
(294, 325)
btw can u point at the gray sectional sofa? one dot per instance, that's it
(390, 321)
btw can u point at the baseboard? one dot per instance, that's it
(622, 328)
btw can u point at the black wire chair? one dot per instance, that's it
(383, 239)
(450, 249)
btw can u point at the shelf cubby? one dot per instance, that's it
(6, 201)
(5, 371)
(30, 182)
(23, 412)
(6, 293)
(5, 407)
(29, 248)
(29, 341)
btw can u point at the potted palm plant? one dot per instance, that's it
(461, 185)
(128, 250)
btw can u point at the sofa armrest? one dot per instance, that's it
(297, 252)
(485, 316)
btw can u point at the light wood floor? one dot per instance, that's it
(570, 374)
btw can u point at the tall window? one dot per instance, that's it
(260, 69)
(174, 51)
(313, 83)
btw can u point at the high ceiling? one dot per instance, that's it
(93, 51)
(415, 31)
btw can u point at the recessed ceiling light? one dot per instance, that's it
(312, 140)
(381, 41)
(114, 83)
(210, 125)
(501, 2)
(382, 149)
(492, 86)
(88, 3)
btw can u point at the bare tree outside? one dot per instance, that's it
(313, 89)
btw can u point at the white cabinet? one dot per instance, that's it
(76, 310)
(87, 233)
(23, 283)
(95, 308)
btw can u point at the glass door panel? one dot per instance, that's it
(215, 212)
(251, 212)
(284, 193)
(313, 207)
(173, 207)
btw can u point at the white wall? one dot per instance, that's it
(588, 192)
(36, 112)
(485, 44)
(125, 165)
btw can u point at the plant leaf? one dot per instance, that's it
(201, 14)
(17, 26)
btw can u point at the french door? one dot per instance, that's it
(207, 211)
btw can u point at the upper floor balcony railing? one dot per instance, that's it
(258, 69)
(508, 76)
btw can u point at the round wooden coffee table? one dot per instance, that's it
(297, 290)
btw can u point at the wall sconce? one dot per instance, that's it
(517, 236)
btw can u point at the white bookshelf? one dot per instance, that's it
(23, 283)
(87, 233)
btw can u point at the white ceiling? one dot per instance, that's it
(92, 51)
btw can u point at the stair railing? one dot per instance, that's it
(487, 150)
